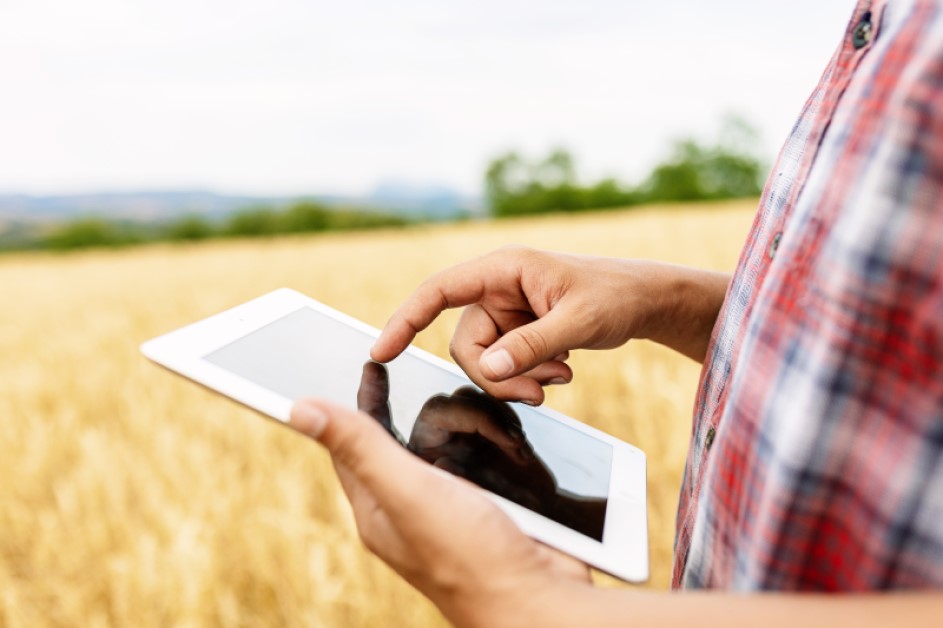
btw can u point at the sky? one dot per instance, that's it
(311, 96)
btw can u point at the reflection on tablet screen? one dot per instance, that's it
(508, 449)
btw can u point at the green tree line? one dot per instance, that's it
(693, 170)
(729, 167)
(301, 217)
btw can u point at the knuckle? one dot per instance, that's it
(426, 295)
(532, 342)
(464, 344)
(455, 350)
(511, 248)
(512, 251)
(428, 284)
(460, 353)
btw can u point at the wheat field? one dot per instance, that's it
(131, 497)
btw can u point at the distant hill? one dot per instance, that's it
(137, 205)
(437, 202)
(431, 202)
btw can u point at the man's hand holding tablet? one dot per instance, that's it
(551, 483)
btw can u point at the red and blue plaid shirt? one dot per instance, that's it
(816, 461)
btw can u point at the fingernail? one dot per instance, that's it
(309, 419)
(557, 381)
(499, 362)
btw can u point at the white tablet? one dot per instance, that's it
(564, 483)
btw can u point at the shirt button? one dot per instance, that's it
(709, 438)
(863, 32)
(775, 244)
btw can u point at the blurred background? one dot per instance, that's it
(146, 110)
(160, 161)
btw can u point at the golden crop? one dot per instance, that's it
(131, 497)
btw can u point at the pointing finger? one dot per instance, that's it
(460, 285)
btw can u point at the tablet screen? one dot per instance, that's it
(509, 449)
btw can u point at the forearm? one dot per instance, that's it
(586, 605)
(687, 302)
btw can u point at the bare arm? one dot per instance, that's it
(589, 606)
(456, 547)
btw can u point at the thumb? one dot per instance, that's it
(375, 471)
(530, 345)
(358, 444)
(310, 417)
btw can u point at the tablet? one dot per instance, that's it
(564, 483)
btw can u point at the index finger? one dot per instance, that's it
(457, 286)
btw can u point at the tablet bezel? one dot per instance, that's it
(623, 551)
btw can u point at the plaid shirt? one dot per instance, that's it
(816, 461)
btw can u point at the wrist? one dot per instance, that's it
(522, 603)
(683, 307)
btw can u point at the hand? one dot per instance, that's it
(437, 531)
(527, 309)
(458, 549)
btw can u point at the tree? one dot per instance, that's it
(253, 222)
(89, 232)
(556, 170)
(305, 216)
(192, 227)
(514, 186)
(729, 168)
(505, 179)
(694, 170)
